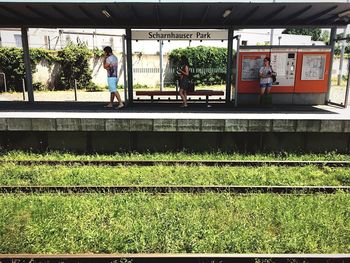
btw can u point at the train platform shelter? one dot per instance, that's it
(87, 127)
(174, 15)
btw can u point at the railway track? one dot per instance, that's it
(177, 188)
(181, 162)
(174, 258)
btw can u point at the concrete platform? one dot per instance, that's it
(166, 127)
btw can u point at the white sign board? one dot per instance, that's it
(251, 65)
(313, 67)
(179, 35)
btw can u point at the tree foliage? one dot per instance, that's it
(207, 64)
(11, 63)
(74, 62)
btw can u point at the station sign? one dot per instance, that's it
(179, 35)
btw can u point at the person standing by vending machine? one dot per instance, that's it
(265, 74)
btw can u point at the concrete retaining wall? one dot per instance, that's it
(112, 135)
(109, 142)
(174, 125)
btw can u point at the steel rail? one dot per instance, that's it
(180, 162)
(173, 189)
(174, 258)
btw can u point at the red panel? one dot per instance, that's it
(253, 86)
(311, 86)
(248, 86)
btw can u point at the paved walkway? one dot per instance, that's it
(168, 111)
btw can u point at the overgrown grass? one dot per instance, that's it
(19, 155)
(177, 222)
(146, 223)
(11, 174)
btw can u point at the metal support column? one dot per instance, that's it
(229, 64)
(332, 44)
(161, 83)
(129, 65)
(125, 70)
(238, 37)
(347, 87)
(27, 65)
(272, 31)
(342, 52)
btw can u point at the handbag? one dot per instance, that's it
(273, 75)
(191, 86)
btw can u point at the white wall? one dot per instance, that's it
(46, 73)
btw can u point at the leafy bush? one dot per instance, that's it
(207, 64)
(74, 61)
(11, 63)
(337, 49)
(97, 52)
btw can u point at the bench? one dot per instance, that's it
(206, 93)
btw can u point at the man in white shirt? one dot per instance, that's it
(110, 63)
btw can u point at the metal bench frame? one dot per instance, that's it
(206, 93)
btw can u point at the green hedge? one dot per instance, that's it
(73, 60)
(207, 64)
(11, 63)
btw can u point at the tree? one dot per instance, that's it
(325, 37)
(314, 33)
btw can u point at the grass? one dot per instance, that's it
(21, 155)
(11, 174)
(175, 223)
(178, 222)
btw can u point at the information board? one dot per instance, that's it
(313, 67)
(251, 65)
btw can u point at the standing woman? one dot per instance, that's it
(184, 73)
(265, 74)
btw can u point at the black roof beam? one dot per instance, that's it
(17, 14)
(38, 13)
(64, 14)
(249, 15)
(205, 14)
(134, 13)
(181, 15)
(88, 15)
(295, 15)
(230, 19)
(113, 17)
(156, 10)
(273, 14)
(317, 16)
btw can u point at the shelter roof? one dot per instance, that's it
(172, 15)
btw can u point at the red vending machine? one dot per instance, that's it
(302, 74)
